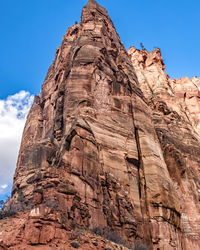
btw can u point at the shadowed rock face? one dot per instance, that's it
(96, 152)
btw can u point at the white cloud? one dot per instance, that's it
(4, 186)
(13, 112)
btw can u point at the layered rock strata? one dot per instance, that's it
(175, 105)
(107, 144)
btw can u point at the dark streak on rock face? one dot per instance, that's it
(175, 117)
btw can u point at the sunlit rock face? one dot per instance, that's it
(106, 144)
(175, 106)
(187, 92)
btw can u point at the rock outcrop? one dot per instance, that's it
(111, 142)
(175, 106)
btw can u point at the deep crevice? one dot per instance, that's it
(141, 175)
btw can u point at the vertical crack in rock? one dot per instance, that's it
(175, 106)
(141, 181)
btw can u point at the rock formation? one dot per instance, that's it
(111, 142)
(175, 105)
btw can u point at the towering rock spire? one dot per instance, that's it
(90, 156)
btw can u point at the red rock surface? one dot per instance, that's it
(108, 144)
(175, 105)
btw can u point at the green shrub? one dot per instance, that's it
(8, 213)
(140, 247)
(108, 234)
(142, 46)
(116, 238)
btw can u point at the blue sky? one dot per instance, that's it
(31, 30)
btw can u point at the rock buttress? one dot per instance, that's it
(175, 105)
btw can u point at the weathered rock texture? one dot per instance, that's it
(99, 152)
(175, 105)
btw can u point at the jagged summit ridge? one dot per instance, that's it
(182, 95)
(94, 10)
(93, 4)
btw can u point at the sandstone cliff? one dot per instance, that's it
(111, 142)
(175, 105)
